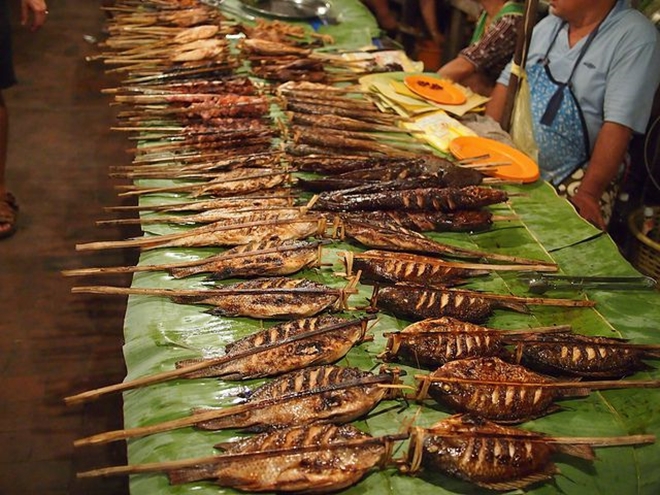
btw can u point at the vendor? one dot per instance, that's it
(593, 69)
(491, 47)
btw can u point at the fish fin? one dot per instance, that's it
(513, 306)
(545, 474)
(576, 450)
(188, 475)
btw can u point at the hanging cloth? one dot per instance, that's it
(560, 130)
(509, 8)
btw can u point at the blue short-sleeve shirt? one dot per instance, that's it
(618, 76)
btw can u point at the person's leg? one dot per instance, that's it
(4, 131)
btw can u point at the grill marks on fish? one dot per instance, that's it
(387, 267)
(256, 259)
(309, 459)
(486, 454)
(445, 199)
(314, 459)
(277, 297)
(424, 221)
(435, 341)
(510, 394)
(282, 348)
(585, 356)
(419, 303)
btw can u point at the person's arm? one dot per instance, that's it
(608, 154)
(457, 69)
(33, 13)
(495, 107)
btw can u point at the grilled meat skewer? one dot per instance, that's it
(324, 394)
(276, 350)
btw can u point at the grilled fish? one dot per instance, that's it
(323, 394)
(282, 348)
(496, 390)
(385, 266)
(488, 455)
(417, 303)
(429, 221)
(424, 199)
(309, 459)
(271, 257)
(585, 356)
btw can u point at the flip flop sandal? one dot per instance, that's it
(8, 215)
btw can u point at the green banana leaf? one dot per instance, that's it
(159, 332)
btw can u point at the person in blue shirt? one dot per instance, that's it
(593, 68)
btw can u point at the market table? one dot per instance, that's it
(159, 332)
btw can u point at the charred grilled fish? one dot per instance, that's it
(435, 341)
(425, 199)
(585, 356)
(271, 257)
(324, 394)
(277, 297)
(282, 348)
(486, 454)
(387, 267)
(418, 303)
(309, 459)
(429, 221)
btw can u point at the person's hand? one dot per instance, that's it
(589, 208)
(33, 13)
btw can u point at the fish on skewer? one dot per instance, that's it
(383, 267)
(504, 392)
(323, 394)
(263, 298)
(270, 257)
(585, 356)
(445, 199)
(429, 221)
(433, 342)
(282, 348)
(383, 235)
(499, 457)
(222, 234)
(418, 303)
(308, 459)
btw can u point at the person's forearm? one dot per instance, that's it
(457, 69)
(608, 154)
(495, 107)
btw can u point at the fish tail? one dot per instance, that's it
(513, 306)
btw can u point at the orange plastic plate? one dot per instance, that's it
(518, 166)
(434, 89)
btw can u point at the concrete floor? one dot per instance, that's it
(56, 343)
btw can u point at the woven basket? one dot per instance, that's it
(646, 248)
